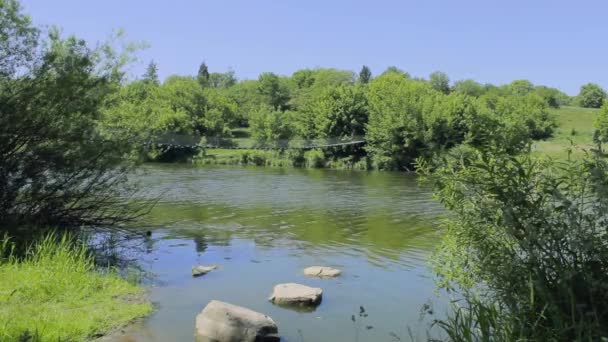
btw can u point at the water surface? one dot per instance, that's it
(262, 226)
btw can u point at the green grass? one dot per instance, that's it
(570, 120)
(55, 293)
(244, 157)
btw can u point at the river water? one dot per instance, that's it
(262, 226)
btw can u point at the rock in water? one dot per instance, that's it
(223, 322)
(202, 270)
(322, 272)
(296, 294)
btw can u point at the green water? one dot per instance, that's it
(262, 226)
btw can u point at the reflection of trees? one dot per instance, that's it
(200, 243)
(381, 215)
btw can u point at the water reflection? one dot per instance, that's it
(263, 226)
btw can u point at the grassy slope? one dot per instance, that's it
(55, 294)
(569, 118)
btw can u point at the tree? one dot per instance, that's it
(395, 130)
(56, 166)
(440, 81)
(365, 75)
(591, 95)
(222, 80)
(395, 70)
(271, 87)
(469, 87)
(270, 126)
(600, 124)
(203, 75)
(552, 96)
(151, 75)
(521, 87)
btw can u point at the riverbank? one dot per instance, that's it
(55, 293)
(575, 126)
(314, 158)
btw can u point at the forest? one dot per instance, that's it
(400, 117)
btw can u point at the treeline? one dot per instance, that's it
(401, 117)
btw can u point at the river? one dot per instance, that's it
(262, 226)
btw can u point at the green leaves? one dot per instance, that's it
(591, 96)
(521, 225)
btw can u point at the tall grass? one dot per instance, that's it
(55, 293)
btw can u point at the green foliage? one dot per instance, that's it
(521, 87)
(395, 129)
(56, 166)
(222, 79)
(270, 126)
(151, 75)
(365, 75)
(552, 96)
(203, 75)
(247, 98)
(440, 82)
(469, 87)
(274, 90)
(591, 96)
(527, 236)
(600, 124)
(529, 111)
(314, 158)
(395, 70)
(339, 112)
(56, 294)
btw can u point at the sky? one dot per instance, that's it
(558, 43)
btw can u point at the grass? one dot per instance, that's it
(55, 293)
(575, 125)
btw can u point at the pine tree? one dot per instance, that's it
(365, 75)
(203, 75)
(151, 75)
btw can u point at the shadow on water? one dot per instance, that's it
(263, 226)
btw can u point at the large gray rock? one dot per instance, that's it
(223, 322)
(322, 272)
(296, 294)
(202, 270)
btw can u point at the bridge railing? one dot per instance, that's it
(194, 141)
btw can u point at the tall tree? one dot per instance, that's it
(440, 81)
(365, 75)
(203, 75)
(151, 74)
(56, 166)
(276, 93)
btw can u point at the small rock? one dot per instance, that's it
(322, 272)
(202, 270)
(296, 294)
(225, 322)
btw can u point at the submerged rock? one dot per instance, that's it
(296, 294)
(225, 322)
(322, 272)
(202, 270)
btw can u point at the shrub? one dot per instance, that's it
(529, 237)
(314, 158)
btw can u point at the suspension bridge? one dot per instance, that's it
(168, 141)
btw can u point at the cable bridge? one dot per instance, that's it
(169, 141)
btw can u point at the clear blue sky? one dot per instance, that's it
(553, 42)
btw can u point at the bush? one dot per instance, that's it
(314, 158)
(529, 237)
